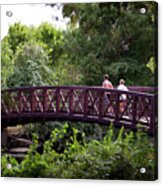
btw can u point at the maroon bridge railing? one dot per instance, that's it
(80, 103)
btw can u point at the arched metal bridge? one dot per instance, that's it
(79, 103)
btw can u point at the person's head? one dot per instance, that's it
(106, 76)
(121, 81)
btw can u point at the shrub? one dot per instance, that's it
(111, 158)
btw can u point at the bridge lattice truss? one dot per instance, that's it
(30, 104)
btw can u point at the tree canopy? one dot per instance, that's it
(113, 38)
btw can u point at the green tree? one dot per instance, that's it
(111, 38)
(6, 62)
(18, 34)
(38, 65)
(31, 67)
(52, 38)
(45, 35)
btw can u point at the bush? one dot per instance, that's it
(111, 158)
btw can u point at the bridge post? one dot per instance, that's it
(153, 118)
(116, 109)
(45, 99)
(86, 103)
(134, 112)
(57, 99)
(71, 101)
(32, 101)
(101, 98)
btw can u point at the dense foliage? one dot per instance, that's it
(101, 38)
(28, 54)
(112, 38)
(113, 157)
(31, 67)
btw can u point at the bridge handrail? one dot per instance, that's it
(84, 103)
(83, 88)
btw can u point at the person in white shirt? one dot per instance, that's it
(123, 97)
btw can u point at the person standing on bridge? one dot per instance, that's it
(107, 84)
(123, 97)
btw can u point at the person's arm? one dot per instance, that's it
(111, 86)
(126, 89)
(118, 87)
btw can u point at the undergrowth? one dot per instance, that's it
(113, 157)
